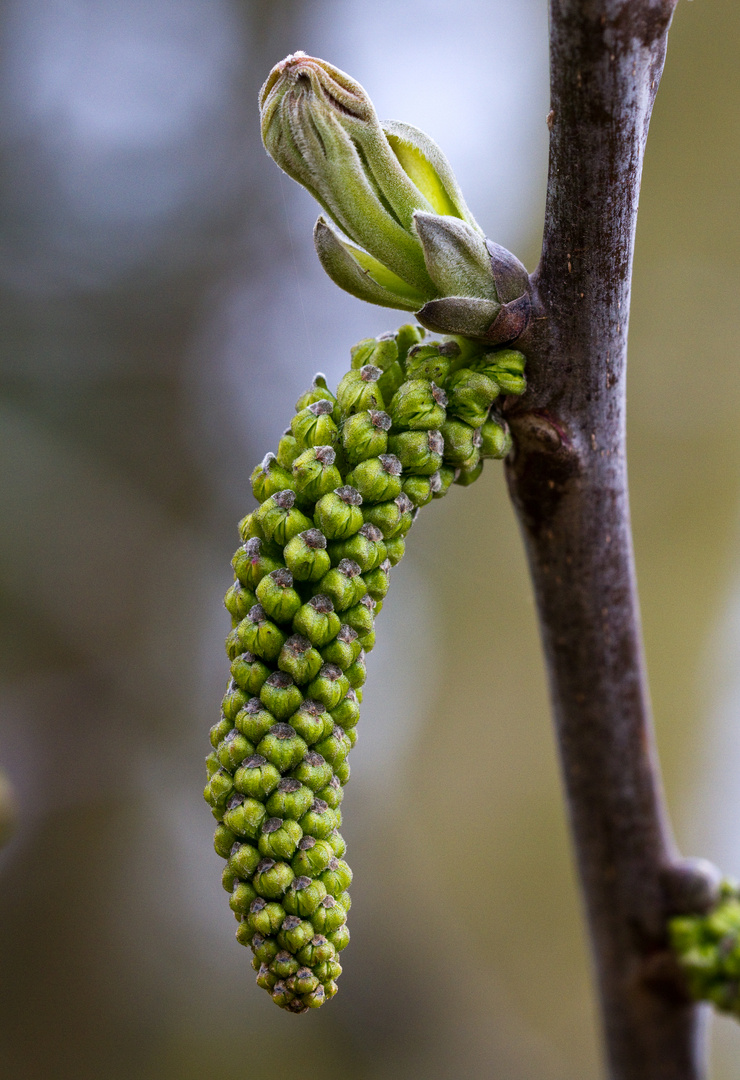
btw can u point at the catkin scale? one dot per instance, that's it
(313, 568)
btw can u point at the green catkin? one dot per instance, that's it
(311, 574)
(707, 948)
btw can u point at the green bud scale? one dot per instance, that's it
(336, 503)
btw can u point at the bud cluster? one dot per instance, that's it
(336, 502)
(707, 947)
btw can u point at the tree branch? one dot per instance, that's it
(569, 484)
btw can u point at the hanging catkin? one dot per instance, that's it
(336, 502)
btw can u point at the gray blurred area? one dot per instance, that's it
(161, 309)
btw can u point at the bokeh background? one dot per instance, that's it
(161, 309)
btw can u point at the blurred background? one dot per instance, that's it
(161, 309)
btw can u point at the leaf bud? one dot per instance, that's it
(315, 474)
(299, 659)
(251, 563)
(417, 405)
(347, 712)
(294, 933)
(317, 621)
(260, 635)
(254, 720)
(306, 556)
(314, 426)
(377, 479)
(420, 452)
(233, 750)
(372, 178)
(303, 896)
(280, 519)
(338, 514)
(272, 878)
(312, 721)
(329, 686)
(312, 857)
(319, 820)
(291, 799)
(358, 390)
(365, 435)
(243, 861)
(269, 477)
(277, 596)
(279, 838)
(248, 672)
(282, 746)
(314, 772)
(244, 816)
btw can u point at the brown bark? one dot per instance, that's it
(569, 484)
